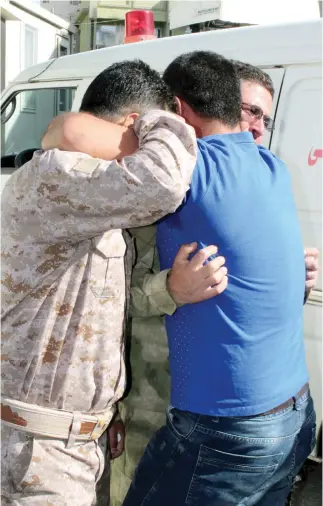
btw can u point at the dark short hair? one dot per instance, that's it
(208, 83)
(254, 74)
(125, 87)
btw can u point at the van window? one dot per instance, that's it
(27, 114)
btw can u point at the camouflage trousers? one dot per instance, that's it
(41, 471)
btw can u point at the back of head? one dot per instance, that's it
(208, 83)
(253, 74)
(124, 88)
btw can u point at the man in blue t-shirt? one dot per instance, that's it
(242, 421)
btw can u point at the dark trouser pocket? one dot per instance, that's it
(226, 479)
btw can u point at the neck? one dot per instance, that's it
(215, 127)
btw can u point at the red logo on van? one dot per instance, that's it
(314, 155)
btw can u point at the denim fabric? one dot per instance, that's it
(198, 460)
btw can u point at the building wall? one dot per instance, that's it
(179, 31)
(13, 55)
(269, 11)
(29, 40)
(3, 52)
(85, 34)
(66, 9)
(184, 13)
(30, 35)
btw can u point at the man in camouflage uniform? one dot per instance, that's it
(66, 268)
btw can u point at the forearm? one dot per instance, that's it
(149, 294)
(84, 133)
(137, 191)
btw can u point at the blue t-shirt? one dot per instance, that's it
(242, 352)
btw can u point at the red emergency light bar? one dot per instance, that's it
(140, 25)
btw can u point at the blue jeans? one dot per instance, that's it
(197, 460)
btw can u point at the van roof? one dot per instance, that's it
(262, 45)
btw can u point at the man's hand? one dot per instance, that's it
(312, 268)
(190, 281)
(117, 437)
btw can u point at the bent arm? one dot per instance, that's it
(85, 133)
(93, 196)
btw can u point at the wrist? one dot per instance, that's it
(172, 290)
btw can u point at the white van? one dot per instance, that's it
(291, 54)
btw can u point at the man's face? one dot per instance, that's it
(253, 94)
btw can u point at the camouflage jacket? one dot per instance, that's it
(66, 265)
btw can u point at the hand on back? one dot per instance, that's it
(312, 267)
(194, 280)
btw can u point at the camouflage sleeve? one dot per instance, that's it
(76, 196)
(149, 295)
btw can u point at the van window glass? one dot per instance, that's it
(26, 116)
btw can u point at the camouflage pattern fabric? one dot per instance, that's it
(44, 472)
(66, 266)
(143, 409)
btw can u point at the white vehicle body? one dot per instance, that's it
(291, 54)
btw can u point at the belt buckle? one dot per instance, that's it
(100, 427)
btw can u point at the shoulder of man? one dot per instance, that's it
(41, 177)
(54, 161)
(269, 155)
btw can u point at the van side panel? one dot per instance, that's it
(297, 139)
